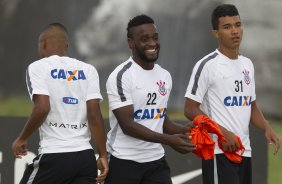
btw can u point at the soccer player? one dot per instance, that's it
(138, 92)
(223, 84)
(66, 94)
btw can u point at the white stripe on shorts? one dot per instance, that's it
(215, 170)
(35, 170)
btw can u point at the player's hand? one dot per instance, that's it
(272, 138)
(103, 166)
(181, 143)
(188, 127)
(19, 148)
(231, 143)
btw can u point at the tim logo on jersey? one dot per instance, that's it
(162, 90)
(70, 100)
(157, 113)
(68, 75)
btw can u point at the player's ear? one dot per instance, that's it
(130, 43)
(44, 44)
(215, 33)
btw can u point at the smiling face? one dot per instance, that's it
(145, 44)
(229, 32)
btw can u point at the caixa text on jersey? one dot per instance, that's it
(238, 100)
(69, 75)
(157, 113)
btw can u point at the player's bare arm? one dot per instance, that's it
(259, 121)
(125, 118)
(96, 125)
(177, 129)
(39, 113)
(171, 127)
(192, 109)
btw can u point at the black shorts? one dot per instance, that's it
(131, 172)
(221, 170)
(62, 168)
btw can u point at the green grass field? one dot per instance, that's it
(275, 161)
(20, 105)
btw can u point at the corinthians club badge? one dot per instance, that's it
(246, 76)
(162, 90)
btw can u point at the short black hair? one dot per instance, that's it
(223, 10)
(58, 25)
(137, 21)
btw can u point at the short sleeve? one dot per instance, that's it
(199, 82)
(119, 89)
(36, 80)
(254, 83)
(93, 87)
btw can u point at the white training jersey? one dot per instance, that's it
(69, 83)
(148, 91)
(225, 88)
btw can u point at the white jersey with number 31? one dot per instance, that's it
(225, 88)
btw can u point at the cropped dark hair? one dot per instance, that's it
(222, 10)
(137, 21)
(56, 24)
